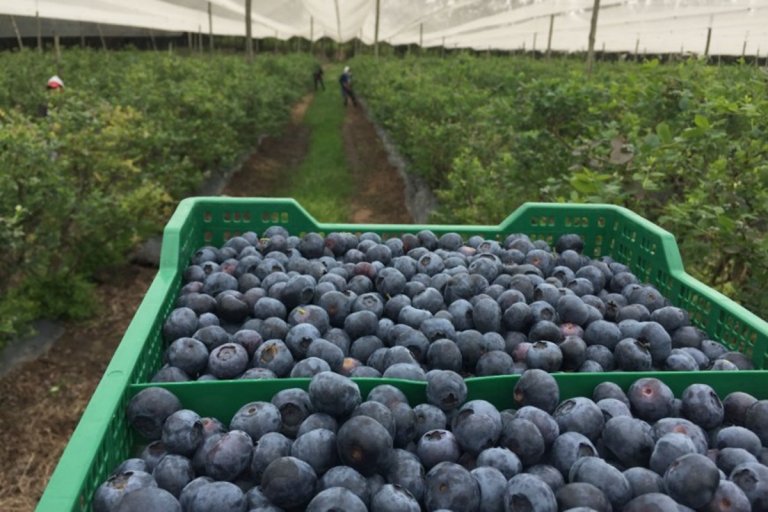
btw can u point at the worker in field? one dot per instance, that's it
(54, 85)
(317, 75)
(346, 87)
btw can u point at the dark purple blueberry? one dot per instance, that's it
(336, 498)
(212, 336)
(188, 354)
(170, 374)
(152, 453)
(256, 419)
(501, 459)
(289, 482)
(132, 464)
(404, 469)
(602, 356)
(274, 355)
(529, 492)
(574, 352)
(568, 448)
(667, 449)
(544, 330)
(348, 478)
(444, 354)
(702, 406)
(582, 494)
(611, 408)
(643, 481)
(738, 437)
(317, 448)
(650, 398)
(492, 484)
(752, 478)
(182, 432)
(609, 390)
(692, 480)
(394, 498)
(228, 361)
(682, 426)
(728, 458)
(189, 492)
(363, 444)
(387, 394)
(310, 314)
(687, 336)
(523, 438)
(173, 472)
(628, 440)
(581, 415)
(544, 355)
(271, 446)
(437, 446)
(735, 407)
(428, 417)
(545, 423)
(537, 388)
(229, 456)
(658, 341)
(652, 502)
(109, 494)
(181, 323)
(728, 498)
(334, 394)
(148, 498)
(250, 373)
(679, 361)
(450, 486)
(632, 355)
(607, 478)
(445, 389)
(477, 426)
(756, 420)
(550, 474)
(148, 410)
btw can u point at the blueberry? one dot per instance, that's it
(212, 336)
(348, 478)
(523, 438)
(256, 419)
(651, 399)
(546, 424)
(549, 474)
(228, 361)
(444, 354)
(735, 406)
(692, 480)
(602, 356)
(318, 448)
(334, 394)
(728, 458)
(229, 456)
(387, 394)
(189, 491)
(170, 374)
(738, 437)
(682, 426)
(445, 389)
(405, 424)
(568, 448)
(492, 485)
(379, 412)
(289, 482)
(336, 498)
(182, 432)
(537, 388)
(152, 453)
(668, 448)
(109, 494)
(188, 354)
(544, 355)
(752, 478)
(582, 494)
(501, 459)
(450, 486)
(605, 477)
(218, 497)
(132, 464)
(581, 415)
(643, 481)
(728, 497)
(477, 426)
(394, 498)
(274, 355)
(363, 444)
(148, 410)
(658, 341)
(702, 406)
(609, 390)
(529, 492)
(173, 472)
(250, 373)
(181, 323)
(148, 498)
(633, 355)
(404, 469)
(269, 447)
(756, 420)
(438, 446)
(628, 440)
(428, 417)
(652, 502)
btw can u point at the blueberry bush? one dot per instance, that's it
(683, 144)
(131, 134)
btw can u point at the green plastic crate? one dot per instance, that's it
(102, 439)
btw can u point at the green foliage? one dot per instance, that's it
(131, 134)
(685, 145)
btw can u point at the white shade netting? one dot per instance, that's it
(655, 26)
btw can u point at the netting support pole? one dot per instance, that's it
(339, 49)
(248, 32)
(39, 32)
(533, 48)
(101, 36)
(744, 49)
(421, 37)
(200, 38)
(311, 34)
(210, 27)
(57, 51)
(82, 36)
(189, 40)
(376, 30)
(442, 49)
(152, 38)
(21, 42)
(549, 37)
(592, 31)
(709, 39)
(637, 48)
(276, 41)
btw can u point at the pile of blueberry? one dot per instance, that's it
(284, 306)
(326, 449)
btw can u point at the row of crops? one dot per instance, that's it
(684, 145)
(130, 135)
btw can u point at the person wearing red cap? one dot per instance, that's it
(55, 83)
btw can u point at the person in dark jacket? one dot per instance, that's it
(345, 80)
(317, 75)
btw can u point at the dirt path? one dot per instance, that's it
(41, 401)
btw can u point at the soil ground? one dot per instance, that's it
(41, 401)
